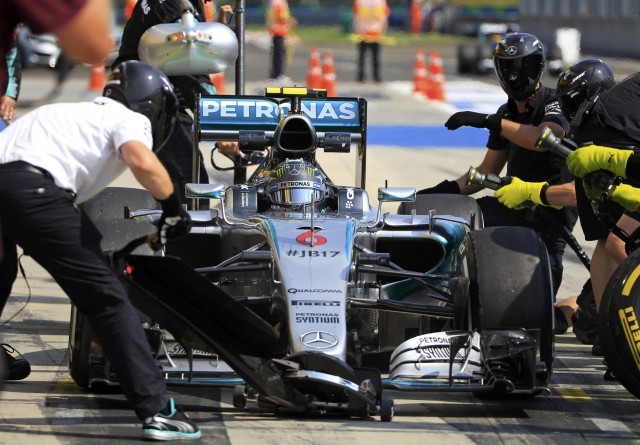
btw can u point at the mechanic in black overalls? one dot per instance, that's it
(177, 156)
(538, 176)
(602, 113)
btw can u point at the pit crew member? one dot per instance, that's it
(177, 156)
(59, 155)
(602, 113)
(538, 176)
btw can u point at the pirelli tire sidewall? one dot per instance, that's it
(619, 326)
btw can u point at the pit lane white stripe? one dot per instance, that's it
(613, 426)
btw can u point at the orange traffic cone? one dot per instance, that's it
(217, 80)
(314, 75)
(435, 74)
(97, 77)
(420, 79)
(329, 75)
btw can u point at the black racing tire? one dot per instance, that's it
(619, 324)
(484, 53)
(466, 59)
(511, 285)
(446, 204)
(79, 348)
(239, 396)
(386, 410)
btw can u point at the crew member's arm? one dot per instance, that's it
(151, 174)
(523, 135)
(526, 135)
(9, 99)
(493, 162)
(147, 169)
(563, 195)
(87, 36)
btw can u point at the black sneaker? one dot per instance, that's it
(17, 368)
(170, 424)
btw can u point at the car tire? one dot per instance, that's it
(617, 319)
(466, 59)
(80, 334)
(484, 54)
(106, 210)
(510, 274)
(446, 204)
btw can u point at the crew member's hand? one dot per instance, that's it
(228, 148)
(627, 196)
(175, 221)
(588, 159)
(472, 119)
(516, 193)
(222, 13)
(7, 108)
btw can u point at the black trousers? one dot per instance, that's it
(278, 57)
(374, 49)
(496, 214)
(43, 219)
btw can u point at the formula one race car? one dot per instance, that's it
(300, 293)
(478, 57)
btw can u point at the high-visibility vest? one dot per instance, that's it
(370, 18)
(278, 18)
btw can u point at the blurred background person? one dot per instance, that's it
(279, 23)
(370, 19)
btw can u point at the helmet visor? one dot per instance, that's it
(519, 76)
(295, 192)
(571, 101)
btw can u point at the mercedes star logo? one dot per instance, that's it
(319, 340)
(512, 50)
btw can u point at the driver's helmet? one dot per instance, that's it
(296, 182)
(519, 61)
(145, 89)
(580, 82)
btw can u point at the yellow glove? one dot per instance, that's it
(627, 196)
(595, 157)
(515, 194)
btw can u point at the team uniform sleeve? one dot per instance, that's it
(553, 113)
(135, 127)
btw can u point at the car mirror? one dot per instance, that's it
(396, 194)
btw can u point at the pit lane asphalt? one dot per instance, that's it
(48, 407)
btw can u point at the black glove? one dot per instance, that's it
(472, 119)
(175, 221)
(446, 187)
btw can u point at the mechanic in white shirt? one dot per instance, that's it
(62, 154)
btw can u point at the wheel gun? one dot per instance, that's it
(601, 179)
(494, 182)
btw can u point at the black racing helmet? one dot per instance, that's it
(519, 63)
(145, 89)
(580, 82)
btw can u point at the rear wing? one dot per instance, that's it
(252, 121)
